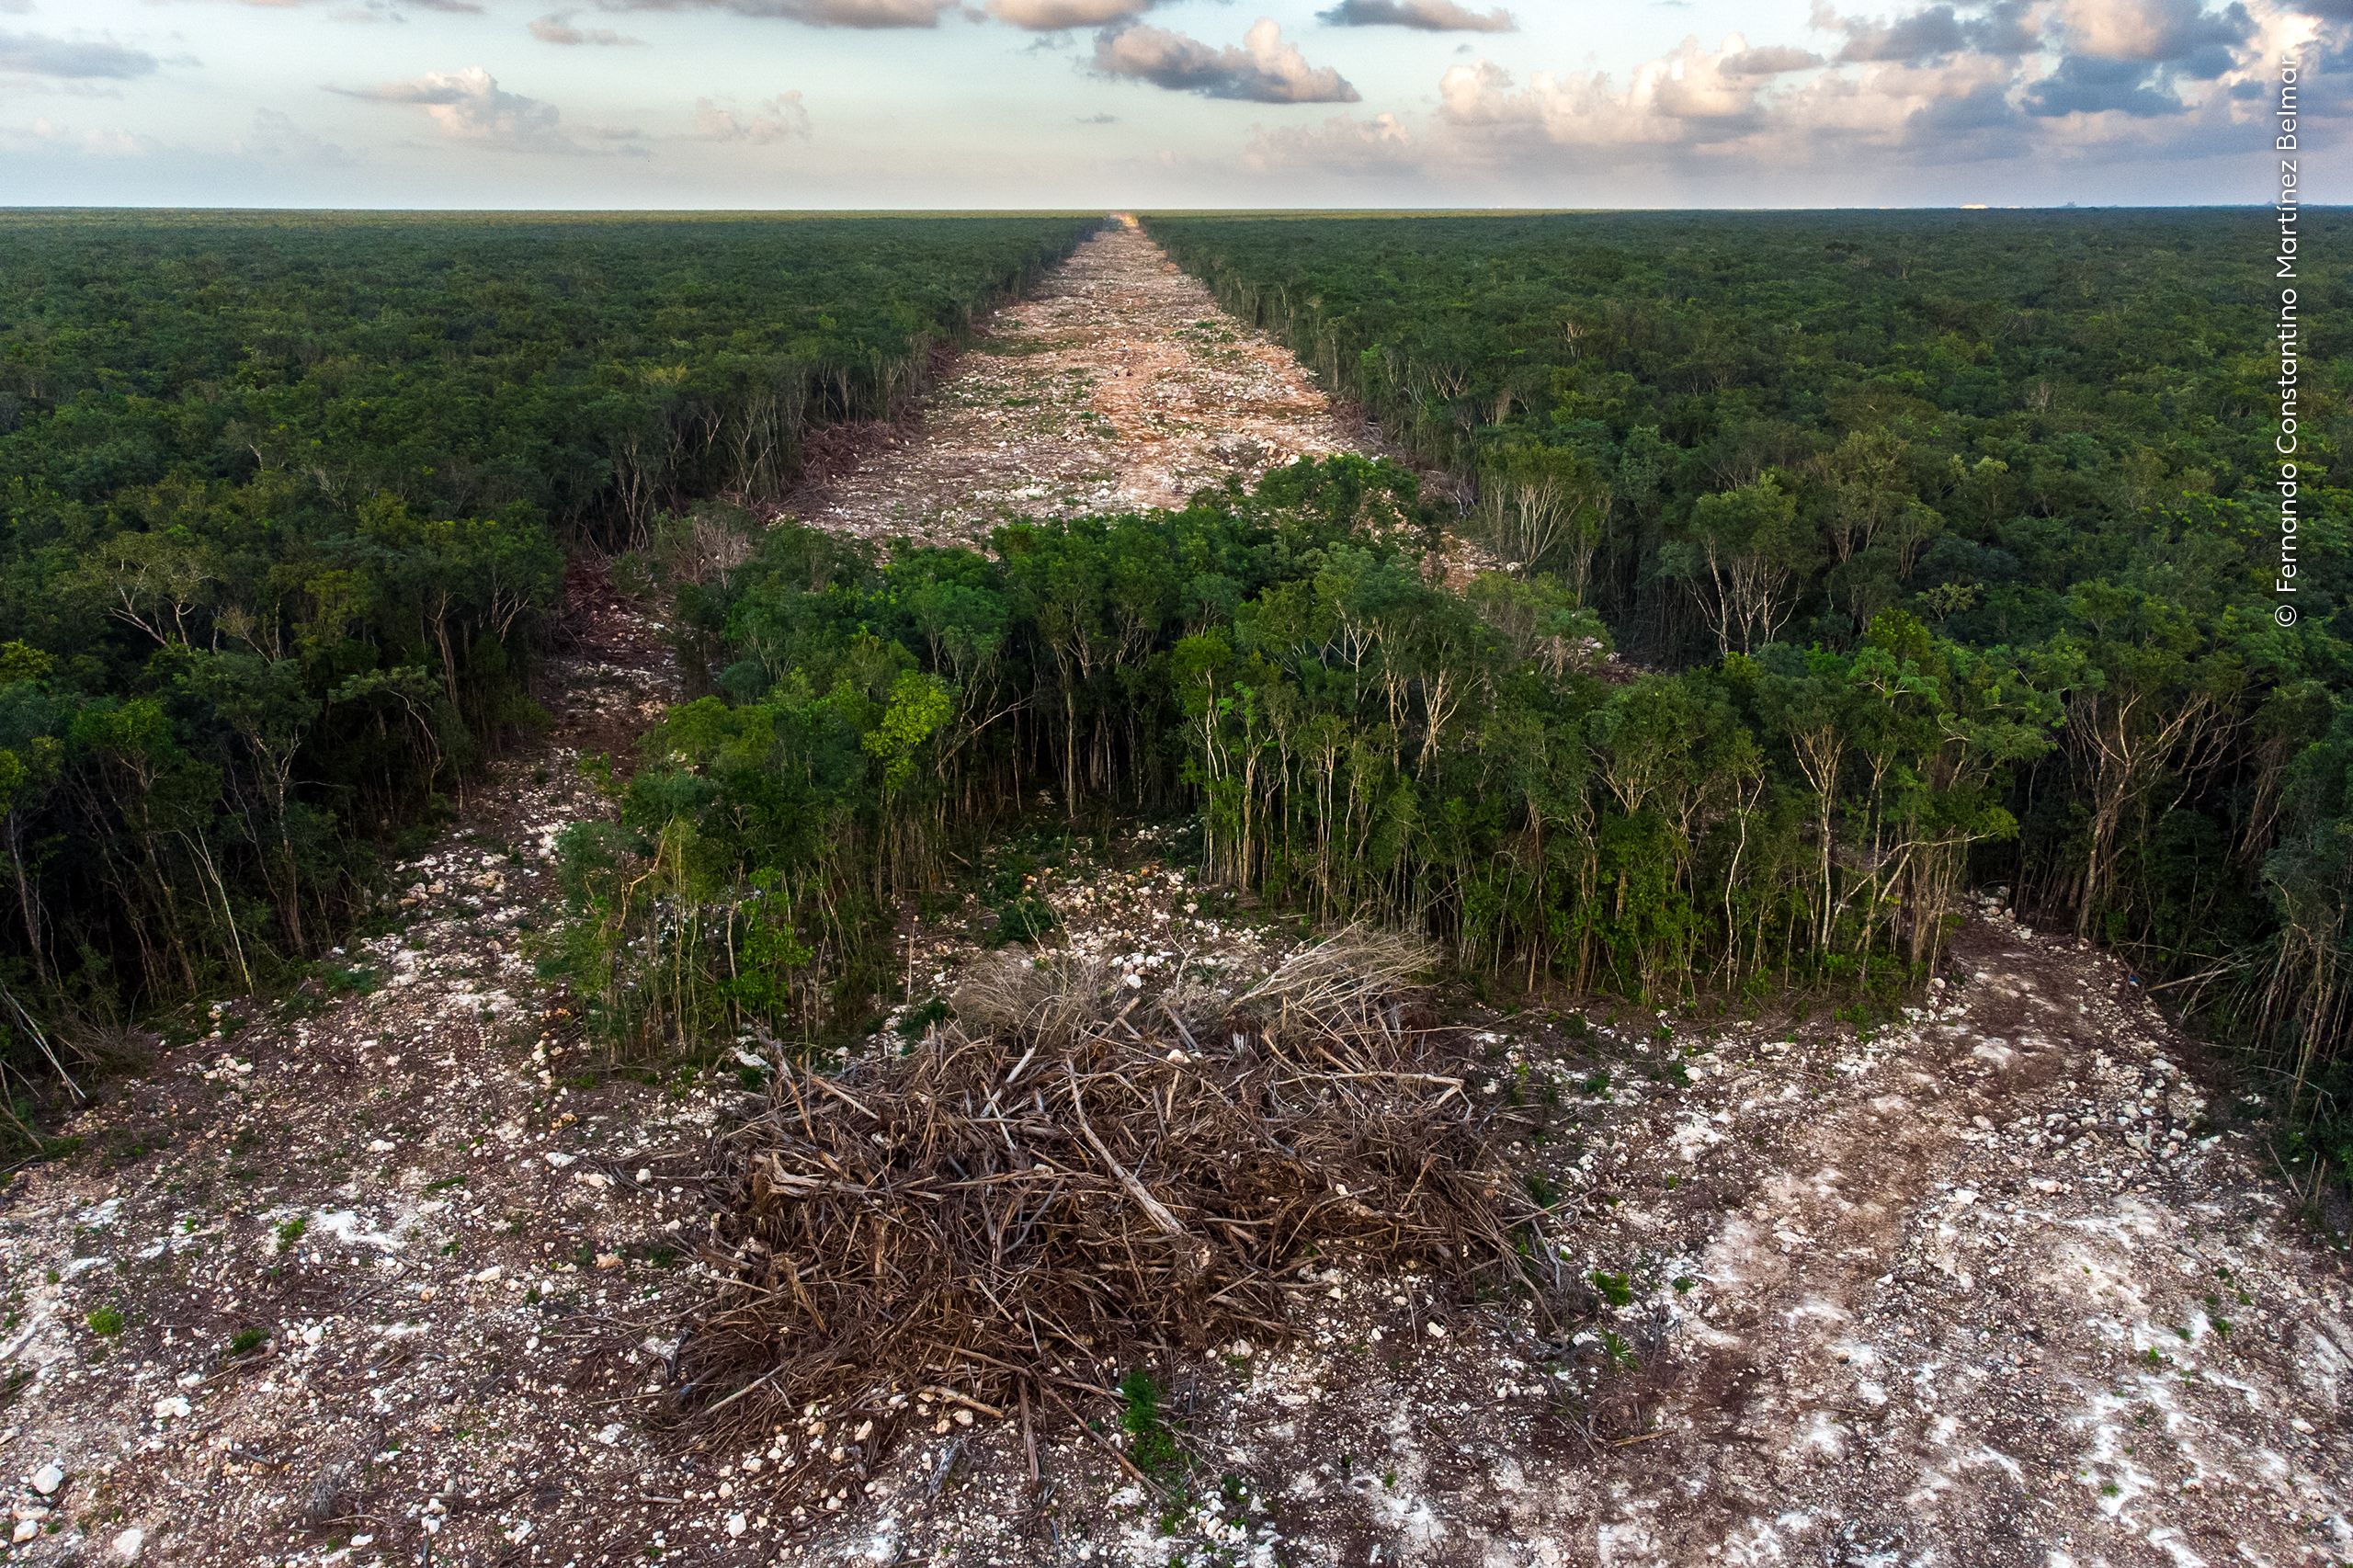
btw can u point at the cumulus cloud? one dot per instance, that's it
(1686, 96)
(1053, 15)
(31, 54)
(470, 106)
(2006, 27)
(1733, 106)
(556, 28)
(2085, 85)
(1263, 70)
(1899, 94)
(1425, 15)
(810, 13)
(779, 119)
(2151, 30)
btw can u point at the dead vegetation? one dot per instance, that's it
(1076, 1174)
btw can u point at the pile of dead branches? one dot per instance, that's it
(1075, 1174)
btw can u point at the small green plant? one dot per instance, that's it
(1617, 1289)
(246, 1341)
(1389, 1479)
(290, 1231)
(1150, 1446)
(1614, 1346)
(1024, 918)
(106, 1322)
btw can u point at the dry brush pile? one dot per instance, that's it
(1075, 1174)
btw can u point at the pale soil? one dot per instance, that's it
(1118, 386)
(1887, 1301)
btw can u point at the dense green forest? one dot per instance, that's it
(284, 508)
(2047, 437)
(1360, 742)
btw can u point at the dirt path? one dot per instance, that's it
(1120, 385)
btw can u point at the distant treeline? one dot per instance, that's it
(2047, 438)
(284, 502)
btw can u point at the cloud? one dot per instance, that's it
(1770, 61)
(31, 54)
(107, 143)
(1098, 120)
(1341, 146)
(375, 10)
(1425, 15)
(810, 13)
(1264, 70)
(1734, 108)
(2084, 85)
(556, 28)
(15, 6)
(2151, 30)
(2006, 29)
(470, 106)
(779, 119)
(1053, 15)
(1687, 95)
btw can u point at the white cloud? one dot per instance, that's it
(1773, 60)
(31, 54)
(470, 106)
(2150, 30)
(812, 13)
(1052, 16)
(779, 119)
(376, 9)
(556, 28)
(1423, 16)
(108, 141)
(1264, 70)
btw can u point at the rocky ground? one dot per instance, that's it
(392, 1272)
(1118, 385)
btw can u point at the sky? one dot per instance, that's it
(1121, 104)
